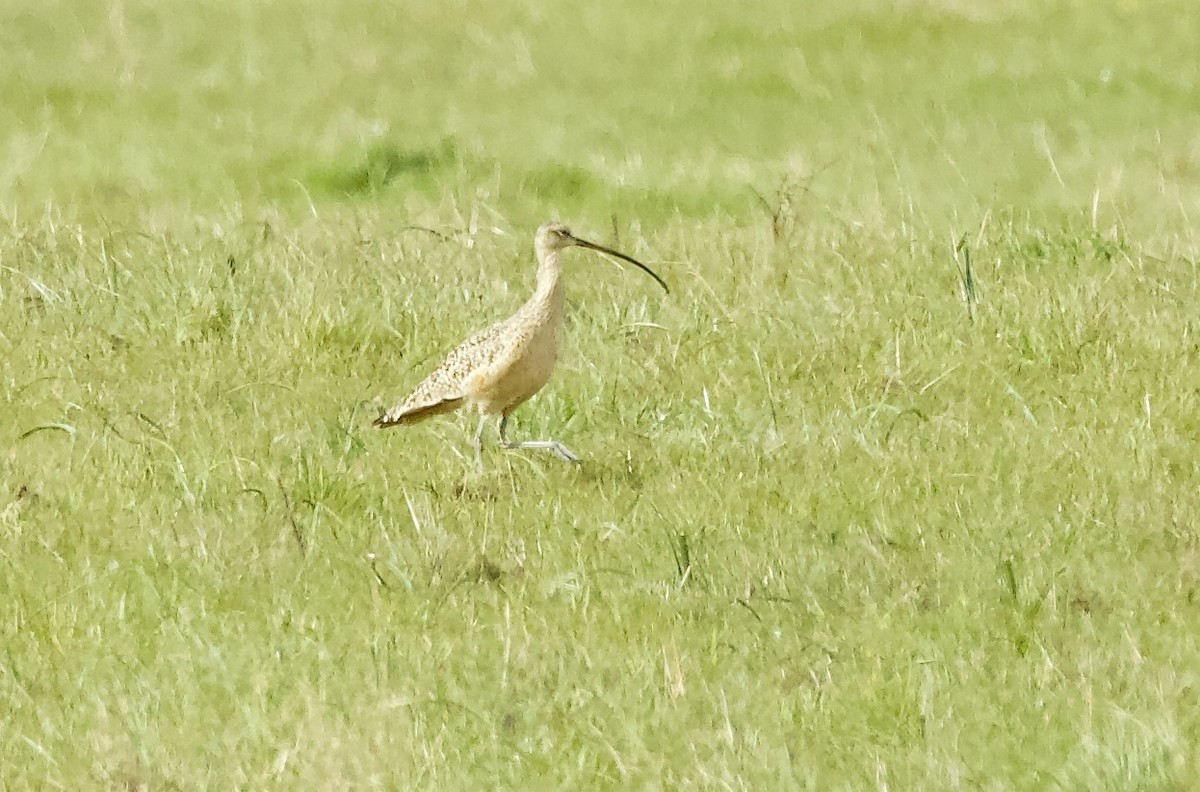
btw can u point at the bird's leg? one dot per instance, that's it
(553, 446)
(477, 441)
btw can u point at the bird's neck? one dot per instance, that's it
(549, 290)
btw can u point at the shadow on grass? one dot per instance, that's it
(370, 171)
(384, 167)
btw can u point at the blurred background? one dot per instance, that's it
(914, 109)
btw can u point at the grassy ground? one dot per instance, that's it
(898, 488)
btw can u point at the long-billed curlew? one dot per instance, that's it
(496, 370)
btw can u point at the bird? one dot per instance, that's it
(499, 368)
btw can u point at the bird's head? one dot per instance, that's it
(553, 236)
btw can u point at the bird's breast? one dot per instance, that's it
(519, 373)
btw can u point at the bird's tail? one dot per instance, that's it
(410, 414)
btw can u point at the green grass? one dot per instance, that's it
(898, 488)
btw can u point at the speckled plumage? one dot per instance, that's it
(499, 368)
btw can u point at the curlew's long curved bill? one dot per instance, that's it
(623, 257)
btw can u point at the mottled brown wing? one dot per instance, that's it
(444, 390)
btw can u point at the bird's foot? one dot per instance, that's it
(553, 446)
(562, 452)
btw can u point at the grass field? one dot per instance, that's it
(899, 488)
